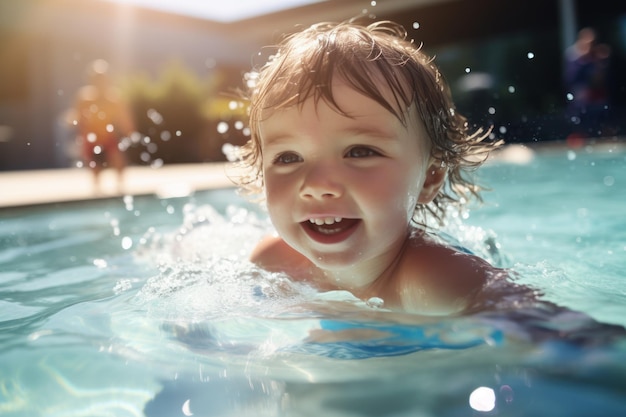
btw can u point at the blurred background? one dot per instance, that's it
(178, 63)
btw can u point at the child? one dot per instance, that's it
(354, 140)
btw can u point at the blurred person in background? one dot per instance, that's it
(587, 85)
(102, 119)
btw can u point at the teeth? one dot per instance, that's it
(325, 220)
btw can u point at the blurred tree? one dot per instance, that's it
(171, 116)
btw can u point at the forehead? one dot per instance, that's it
(351, 111)
(346, 105)
(340, 93)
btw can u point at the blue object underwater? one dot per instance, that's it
(392, 340)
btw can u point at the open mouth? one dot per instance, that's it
(330, 229)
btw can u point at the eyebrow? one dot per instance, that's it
(373, 131)
(273, 139)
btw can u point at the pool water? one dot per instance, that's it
(562, 218)
(147, 307)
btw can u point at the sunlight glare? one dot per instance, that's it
(224, 12)
(483, 399)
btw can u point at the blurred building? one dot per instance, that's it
(502, 58)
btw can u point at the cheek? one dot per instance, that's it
(407, 193)
(411, 196)
(277, 195)
(402, 191)
(274, 187)
(410, 205)
(386, 203)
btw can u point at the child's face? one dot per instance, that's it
(342, 190)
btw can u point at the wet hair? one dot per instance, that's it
(378, 61)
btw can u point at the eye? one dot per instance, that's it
(361, 152)
(287, 158)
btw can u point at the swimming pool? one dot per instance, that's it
(146, 307)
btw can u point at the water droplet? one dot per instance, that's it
(467, 70)
(416, 25)
(609, 180)
(375, 302)
(530, 55)
(571, 155)
(222, 127)
(122, 285)
(492, 110)
(128, 201)
(152, 147)
(155, 116)
(127, 243)
(100, 263)
(91, 137)
(511, 89)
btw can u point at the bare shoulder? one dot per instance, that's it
(441, 276)
(273, 254)
(266, 249)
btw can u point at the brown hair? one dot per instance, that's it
(375, 60)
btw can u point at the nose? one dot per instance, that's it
(321, 181)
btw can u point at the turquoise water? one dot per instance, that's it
(562, 217)
(147, 307)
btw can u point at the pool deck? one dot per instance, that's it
(28, 188)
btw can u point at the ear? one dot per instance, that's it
(435, 176)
